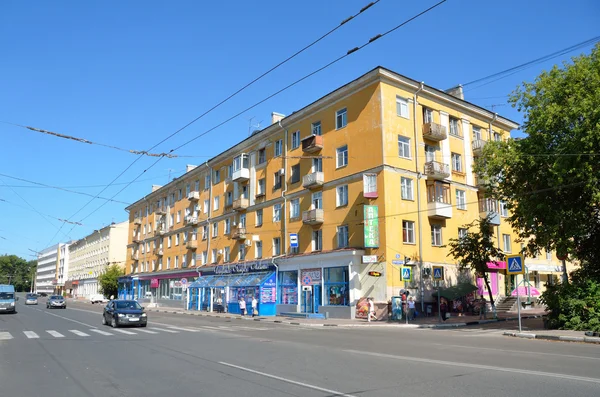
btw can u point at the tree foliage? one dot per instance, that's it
(476, 249)
(550, 179)
(17, 271)
(109, 280)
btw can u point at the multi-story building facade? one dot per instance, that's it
(90, 256)
(330, 197)
(46, 276)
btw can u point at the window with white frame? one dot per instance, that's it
(457, 162)
(217, 202)
(178, 216)
(229, 199)
(261, 187)
(206, 205)
(183, 261)
(169, 241)
(262, 156)
(197, 186)
(204, 232)
(506, 242)
(217, 178)
(278, 148)
(476, 133)
(341, 118)
(213, 256)
(461, 199)
(258, 253)
(317, 165)
(206, 181)
(295, 178)
(176, 261)
(503, 209)
(177, 239)
(408, 232)
(180, 195)
(168, 263)
(315, 128)
(402, 107)
(454, 127)
(227, 256)
(342, 236)
(172, 218)
(295, 139)
(317, 240)
(462, 232)
(341, 195)
(242, 220)
(317, 201)
(277, 213)
(406, 185)
(242, 252)
(295, 208)
(187, 189)
(427, 115)
(277, 246)
(342, 156)
(370, 183)
(436, 235)
(497, 137)
(403, 147)
(215, 229)
(204, 257)
(259, 217)
(430, 153)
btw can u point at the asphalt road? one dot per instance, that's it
(69, 353)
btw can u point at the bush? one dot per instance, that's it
(574, 306)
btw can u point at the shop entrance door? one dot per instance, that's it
(311, 298)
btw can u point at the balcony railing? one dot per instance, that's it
(194, 196)
(489, 207)
(137, 238)
(192, 244)
(437, 170)
(158, 251)
(161, 211)
(135, 256)
(439, 210)
(478, 145)
(313, 180)
(239, 233)
(159, 232)
(313, 143)
(313, 217)
(240, 204)
(192, 220)
(137, 221)
(434, 132)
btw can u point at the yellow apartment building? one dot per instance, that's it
(325, 206)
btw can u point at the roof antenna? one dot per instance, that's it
(252, 128)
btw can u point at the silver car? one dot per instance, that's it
(56, 301)
(31, 299)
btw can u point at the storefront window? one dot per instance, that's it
(336, 286)
(288, 288)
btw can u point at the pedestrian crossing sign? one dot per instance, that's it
(438, 273)
(406, 273)
(514, 264)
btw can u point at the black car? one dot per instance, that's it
(56, 301)
(124, 312)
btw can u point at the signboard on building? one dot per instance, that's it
(371, 228)
(153, 283)
(310, 276)
(268, 293)
(294, 240)
(369, 259)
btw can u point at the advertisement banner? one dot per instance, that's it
(310, 276)
(154, 283)
(371, 228)
(268, 294)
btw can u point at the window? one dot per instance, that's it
(461, 199)
(187, 189)
(408, 232)
(295, 139)
(262, 187)
(342, 236)
(457, 162)
(342, 195)
(317, 165)
(403, 147)
(259, 217)
(176, 261)
(227, 227)
(341, 118)
(168, 263)
(427, 115)
(258, 249)
(503, 209)
(337, 292)
(438, 192)
(183, 261)
(429, 153)
(278, 148)
(454, 127)
(276, 246)
(204, 232)
(227, 257)
(197, 186)
(217, 177)
(295, 208)
(178, 216)
(317, 240)
(206, 205)
(315, 128)
(370, 185)
(217, 202)
(288, 288)
(228, 199)
(277, 177)
(277, 213)
(204, 257)
(262, 156)
(207, 182)
(242, 220)
(177, 239)
(317, 201)
(506, 242)
(242, 252)
(169, 241)
(295, 173)
(172, 219)
(213, 256)
(476, 133)
(342, 156)
(402, 107)
(215, 229)
(230, 171)
(406, 185)
(436, 235)
(462, 232)
(180, 194)
(497, 137)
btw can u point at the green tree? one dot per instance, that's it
(476, 249)
(109, 281)
(550, 179)
(17, 271)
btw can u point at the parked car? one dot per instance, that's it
(56, 301)
(98, 298)
(31, 299)
(120, 312)
(43, 294)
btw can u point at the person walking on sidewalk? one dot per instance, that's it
(411, 308)
(254, 307)
(371, 315)
(483, 309)
(443, 310)
(242, 306)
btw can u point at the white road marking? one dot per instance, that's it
(55, 334)
(124, 332)
(66, 318)
(166, 330)
(5, 336)
(147, 331)
(525, 352)
(293, 382)
(100, 332)
(184, 329)
(253, 328)
(31, 335)
(78, 333)
(217, 328)
(478, 366)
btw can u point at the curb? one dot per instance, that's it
(562, 338)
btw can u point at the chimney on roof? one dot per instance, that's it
(156, 187)
(189, 167)
(456, 91)
(276, 117)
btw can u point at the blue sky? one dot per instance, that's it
(129, 73)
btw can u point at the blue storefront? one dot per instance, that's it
(220, 288)
(127, 286)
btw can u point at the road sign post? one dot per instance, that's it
(438, 276)
(515, 266)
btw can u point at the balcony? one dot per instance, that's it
(434, 132)
(241, 172)
(192, 220)
(437, 170)
(439, 210)
(239, 233)
(192, 244)
(240, 204)
(161, 211)
(312, 144)
(489, 207)
(312, 217)
(159, 232)
(137, 238)
(158, 251)
(313, 180)
(135, 256)
(194, 196)
(137, 221)
(478, 145)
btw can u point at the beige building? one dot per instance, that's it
(90, 256)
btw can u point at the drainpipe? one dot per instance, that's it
(419, 176)
(284, 191)
(209, 232)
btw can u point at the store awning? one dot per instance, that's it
(456, 291)
(236, 280)
(496, 265)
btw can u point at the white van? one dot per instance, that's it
(98, 298)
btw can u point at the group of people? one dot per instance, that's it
(253, 303)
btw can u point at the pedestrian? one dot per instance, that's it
(443, 310)
(411, 308)
(242, 306)
(254, 307)
(371, 315)
(483, 309)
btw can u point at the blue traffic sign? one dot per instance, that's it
(438, 273)
(407, 274)
(294, 240)
(514, 264)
